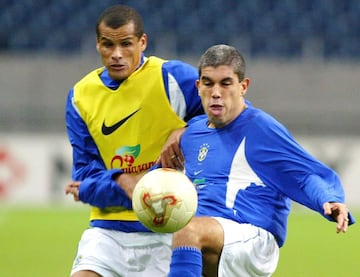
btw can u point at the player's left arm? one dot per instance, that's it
(340, 213)
(179, 81)
(171, 155)
(283, 164)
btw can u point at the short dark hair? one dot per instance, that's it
(119, 15)
(223, 55)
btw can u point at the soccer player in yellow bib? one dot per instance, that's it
(121, 118)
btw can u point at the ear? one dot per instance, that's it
(143, 41)
(197, 83)
(245, 85)
(97, 46)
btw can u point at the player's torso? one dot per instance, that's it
(217, 155)
(216, 162)
(130, 124)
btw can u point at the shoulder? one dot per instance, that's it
(257, 122)
(266, 129)
(259, 116)
(196, 123)
(91, 77)
(179, 68)
(200, 119)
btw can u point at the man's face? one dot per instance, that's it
(120, 49)
(222, 94)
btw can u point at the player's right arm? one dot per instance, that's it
(98, 185)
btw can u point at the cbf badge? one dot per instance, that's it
(204, 149)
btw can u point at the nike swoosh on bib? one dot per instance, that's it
(107, 130)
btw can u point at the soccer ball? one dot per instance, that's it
(164, 200)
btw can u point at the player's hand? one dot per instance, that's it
(340, 213)
(73, 188)
(128, 182)
(171, 155)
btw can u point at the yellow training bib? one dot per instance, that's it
(129, 125)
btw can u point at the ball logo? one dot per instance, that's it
(160, 207)
(164, 200)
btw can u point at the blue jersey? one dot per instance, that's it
(249, 170)
(98, 187)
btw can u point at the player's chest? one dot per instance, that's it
(206, 155)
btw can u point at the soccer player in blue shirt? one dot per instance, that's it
(247, 168)
(120, 119)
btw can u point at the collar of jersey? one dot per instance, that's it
(112, 84)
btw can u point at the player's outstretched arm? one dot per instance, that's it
(340, 213)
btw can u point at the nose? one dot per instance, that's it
(117, 53)
(216, 91)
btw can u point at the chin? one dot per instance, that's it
(118, 77)
(216, 124)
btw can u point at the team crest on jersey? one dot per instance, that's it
(204, 149)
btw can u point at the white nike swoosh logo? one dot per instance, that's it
(197, 172)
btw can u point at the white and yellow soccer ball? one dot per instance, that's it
(164, 200)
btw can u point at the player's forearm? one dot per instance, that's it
(323, 189)
(102, 191)
(127, 182)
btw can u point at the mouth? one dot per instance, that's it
(216, 109)
(117, 67)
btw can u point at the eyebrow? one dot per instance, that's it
(226, 79)
(125, 38)
(205, 78)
